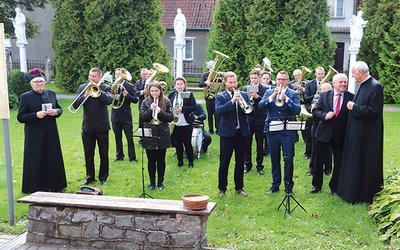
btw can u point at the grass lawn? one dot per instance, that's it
(252, 222)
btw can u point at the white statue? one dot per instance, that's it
(180, 27)
(357, 25)
(19, 26)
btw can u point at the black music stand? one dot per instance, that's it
(143, 132)
(284, 125)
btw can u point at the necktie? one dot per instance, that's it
(337, 110)
(236, 110)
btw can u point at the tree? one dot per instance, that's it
(380, 45)
(106, 34)
(7, 11)
(289, 32)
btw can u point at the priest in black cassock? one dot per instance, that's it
(361, 174)
(43, 161)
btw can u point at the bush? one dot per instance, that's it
(18, 84)
(386, 211)
(13, 101)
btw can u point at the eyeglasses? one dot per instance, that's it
(38, 81)
(282, 79)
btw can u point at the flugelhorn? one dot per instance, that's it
(117, 89)
(242, 103)
(93, 90)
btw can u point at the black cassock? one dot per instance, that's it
(361, 173)
(43, 162)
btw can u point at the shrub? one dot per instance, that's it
(13, 101)
(18, 83)
(386, 211)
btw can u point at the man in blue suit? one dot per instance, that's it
(233, 131)
(279, 113)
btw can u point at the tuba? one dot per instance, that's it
(117, 89)
(304, 114)
(328, 76)
(267, 65)
(215, 77)
(159, 69)
(93, 90)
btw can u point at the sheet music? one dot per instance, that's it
(145, 131)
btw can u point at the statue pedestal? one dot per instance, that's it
(179, 60)
(22, 56)
(353, 57)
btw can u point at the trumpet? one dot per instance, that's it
(243, 104)
(117, 89)
(93, 90)
(155, 120)
(278, 101)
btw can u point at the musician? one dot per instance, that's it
(361, 173)
(266, 80)
(141, 91)
(233, 131)
(199, 117)
(309, 93)
(256, 122)
(183, 108)
(121, 119)
(95, 126)
(157, 143)
(332, 115)
(210, 100)
(283, 139)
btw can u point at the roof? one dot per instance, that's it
(198, 13)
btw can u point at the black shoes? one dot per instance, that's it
(133, 160)
(221, 193)
(152, 186)
(118, 159)
(260, 172)
(160, 186)
(273, 190)
(102, 182)
(241, 192)
(180, 164)
(87, 182)
(315, 190)
(246, 170)
(191, 165)
(327, 171)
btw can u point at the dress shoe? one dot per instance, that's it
(327, 172)
(118, 159)
(211, 132)
(221, 193)
(246, 170)
(180, 164)
(160, 186)
(87, 182)
(332, 192)
(273, 190)
(102, 182)
(152, 187)
(315, 190)
(260, 172)
(309, 173)
(289, 192)
(241, 192)
(307, 156)
(191, 165)
(132, 160)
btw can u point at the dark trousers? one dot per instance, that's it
(307, 137)
(323, 151)
(276, 141)
(183, 137)
(212, 115)
(127, 128)
(156, 163)
(227, 145)
(258, 132)
(89, 140)
(206, 141)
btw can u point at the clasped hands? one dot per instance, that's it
(42, 114)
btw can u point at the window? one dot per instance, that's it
(336, 8)
(188, 52)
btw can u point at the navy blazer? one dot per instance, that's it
(257, 116)
(336, 126)
(139, 86)
(226, 110)
(309, 92)
(124, 113)
(288, 111)
(188, 107)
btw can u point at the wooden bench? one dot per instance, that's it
(110, 222)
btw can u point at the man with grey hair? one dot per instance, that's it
(361, 176)
(210, 100)
(331, 112)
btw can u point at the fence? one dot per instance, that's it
(36, 64)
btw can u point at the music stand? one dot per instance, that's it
(144, 132)
(284, 125)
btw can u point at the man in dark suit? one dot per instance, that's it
(309, 94)
(275, 127)
(233, 131)
(332, 114)
(121, 118)
(95, 125)
(256, 121)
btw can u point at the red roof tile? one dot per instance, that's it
(198, 13)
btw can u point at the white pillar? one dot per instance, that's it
(353, 57)
(22, 57)
(179, 61)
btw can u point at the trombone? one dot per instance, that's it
(93, 90)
